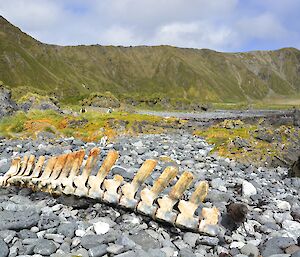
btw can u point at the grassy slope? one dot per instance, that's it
(138, 72)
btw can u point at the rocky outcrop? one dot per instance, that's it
(35, 101)
(295, 170)
(105, 100)
(7, 105)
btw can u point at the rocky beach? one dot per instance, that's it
(38, 224)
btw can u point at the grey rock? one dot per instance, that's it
(206, 240)
(48, 221)
(44, 247)
(115, 249)
(98, 251)
(7, 235)
(219, 184)
(156, 253)
(126, 242)
(275, 245)
(191, 238)
(67, 229)
(7, 105)
(3, 249)
(186, 252)
(17, 220)
(90, 241)
(145, 240)
(26, 233)
(129, 254)
(250, 250)
(296, 254)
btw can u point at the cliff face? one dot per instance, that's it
(138, 72)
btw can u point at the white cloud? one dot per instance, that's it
(228, 25)
(197, 35)
(264, 26)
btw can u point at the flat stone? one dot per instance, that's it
(250, 250)
(44, 247)
(17, 220)
(48, 221)
(206, 240)
(98, 251)
(115, 249)
(186, 252)
(156, 253)
(3, 249)
(145, 240)
(67, 229)
(191, 238)
(26, 233)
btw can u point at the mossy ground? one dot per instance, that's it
(255, 150)
(90, 126)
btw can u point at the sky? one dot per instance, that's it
(222, 25)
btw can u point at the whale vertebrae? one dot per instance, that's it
(69, 174)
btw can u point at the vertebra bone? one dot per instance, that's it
(111, 194)
(95, 182)
(129, 189)
(67, 183)
(148, 196)
(167, 203)
(187, 209)
(80, 181)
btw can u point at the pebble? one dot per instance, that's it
(248, 189)
(44, 247)
(101, 227)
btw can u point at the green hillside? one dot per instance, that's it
(144, 72)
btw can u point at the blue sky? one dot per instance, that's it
(223, 25)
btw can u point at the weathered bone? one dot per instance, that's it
(20, 171)
(36, 171)
(95, 182)
(61, 175)
(111, 186)
(45, 175)
(80, 181)
(148, 196)
(210, 220)
(16, 180)
(45, 183)
(13, 170)
(129, 189)
(56, 184)
(67, 183)
(186, 217)
(166, 203)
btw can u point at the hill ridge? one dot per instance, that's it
(142, 72)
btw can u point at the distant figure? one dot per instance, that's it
(82, 110)
(103, 141)
(109, 110)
